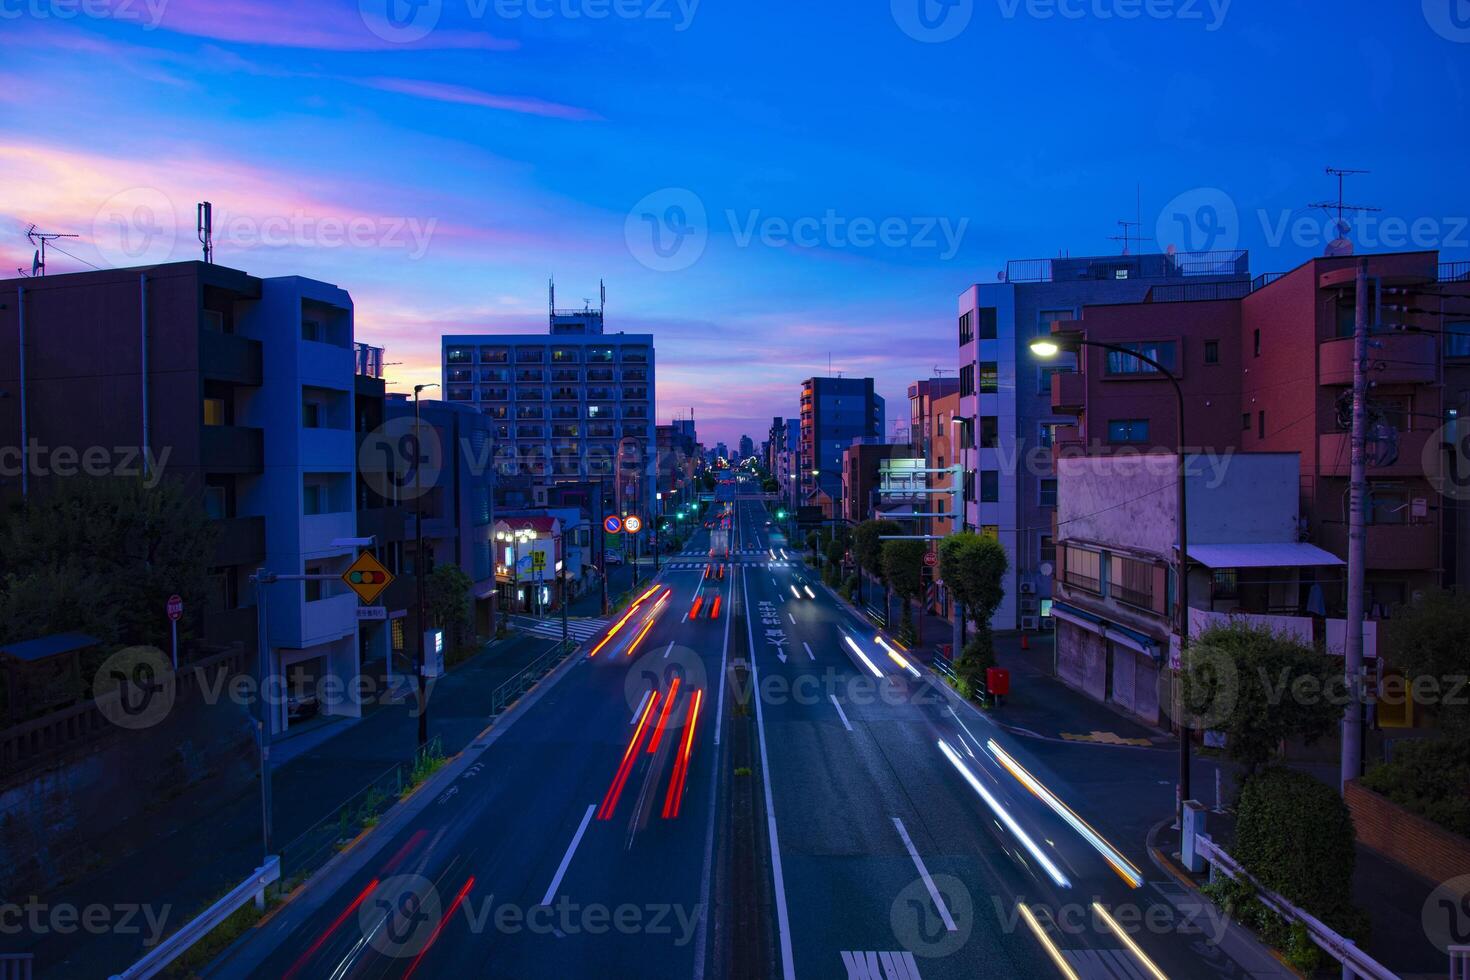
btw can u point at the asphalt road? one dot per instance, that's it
(901, 834)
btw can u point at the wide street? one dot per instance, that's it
(635, 817)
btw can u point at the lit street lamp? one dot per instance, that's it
(1047, 347)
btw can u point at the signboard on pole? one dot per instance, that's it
(368, 577)
(175, 608)
(633, 524)
(538, 561)
(613, 524)
(931, 559)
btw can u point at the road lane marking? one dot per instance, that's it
(924, 873)
(783, 922)
(639, 710)
(669, 650)
(840, 713)
(792, 618)
(808, 648)
(880, 965)
(566, 859)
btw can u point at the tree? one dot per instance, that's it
(102, 555)
(973, 567)
(836, 551)
(447, 595)
(1430, 642)
(770, 486)
(867, 547)
(1260, 689)
(903, 570)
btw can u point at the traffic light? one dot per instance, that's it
(780, 515)
(367, 578)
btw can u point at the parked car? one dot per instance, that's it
(613, 558)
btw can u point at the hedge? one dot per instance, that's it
(1430, 778)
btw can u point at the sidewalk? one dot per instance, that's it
(203, 843)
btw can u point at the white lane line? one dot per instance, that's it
(792, 618)
(773, 581)
(567, 858)
(724, 654)
(783, 924)
(639, 710)
(807, 647)
(924, 873)
(840, 713)
(670, 649)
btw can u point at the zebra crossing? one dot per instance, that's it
(679, 566)
(734, 553)
(580, 630)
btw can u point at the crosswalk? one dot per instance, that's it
(679, 566)
(580, 630)
(736, 553)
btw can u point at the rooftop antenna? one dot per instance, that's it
(602, 291)
(1342, 244)
(1128, 237)
(939, 371)
(204, 212)
(38, 262)
(551, 295)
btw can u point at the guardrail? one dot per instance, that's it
(201, 925)
(1355, 962)
(1460, 963)
(508, 693)
(15, 966)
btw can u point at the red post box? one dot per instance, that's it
(998, 680)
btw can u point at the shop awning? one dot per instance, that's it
(1282, 554)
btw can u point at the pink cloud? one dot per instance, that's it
(440, 92)
(319, 25)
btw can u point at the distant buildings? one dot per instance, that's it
(834, 412)
(570, 405)
(1005, 395)
(747, 448)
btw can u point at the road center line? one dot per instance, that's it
(924, 873)
(808, 648)
(671, 647)
(639, 710)
(840, 713)
(783, 923)
(567, 858)
(792, 618)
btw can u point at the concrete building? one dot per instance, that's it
(528, 560)
(1118, 532)
(1266, 366)
(569, 405)
(240, 388)
(834, 412)
(865, 479)
(1005, 395)
(747, 448)
(933, 405)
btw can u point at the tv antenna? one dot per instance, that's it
(939, 372)
(205, 216)
(38, 262)
(1128, 236)
(1342, 245)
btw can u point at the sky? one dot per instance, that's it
(768, 188)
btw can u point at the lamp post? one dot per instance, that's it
(659, 497)
(419, 565)
(1047, 347)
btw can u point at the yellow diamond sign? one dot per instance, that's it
(368, 577)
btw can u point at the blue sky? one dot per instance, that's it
(761, 184)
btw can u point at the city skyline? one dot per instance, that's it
(414, 172)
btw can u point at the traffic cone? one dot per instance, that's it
(1025, 641)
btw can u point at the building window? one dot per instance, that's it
(216, 503)
(1457, 339)
(1048, 493)
(314, 590)
(1388, 503)
(967, 328)
(1245, 421)
(1131, 581)
(312, 329)
(1256, 342)
(1045, 375)
(1048, 432)
(1082, 569)
(985, 323)
(967, 380)
(214, 411)
(989, 432)
(457, 355)
(1046, 318)
(990, 531)
(1261, 424)
(1212, 352)
(989, 486)
(1225, 584)
(1120, 362)
(989, 377)
(1047, 549)
(1128, 430)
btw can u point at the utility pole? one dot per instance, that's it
(1352, 731)
(263, 578)
(602, 530)
(419, 564)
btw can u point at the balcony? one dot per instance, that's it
(1390, 546)
(231, 449)
(227, 357)
(1334, 455)
(240, 541)
(1397, 358)
(1068, 392)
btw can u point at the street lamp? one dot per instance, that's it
(1047, 347)
(419, 564)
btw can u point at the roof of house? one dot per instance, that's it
(1273, 554)
(541, 525)
(44, 647)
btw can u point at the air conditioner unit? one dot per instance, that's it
(1028, 605)
(1048, 622)
(1028, 622)
(1027, 588)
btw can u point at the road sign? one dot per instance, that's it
(368, 577)
(538, 561)
(633, 524)
(372, 613)
(931, 559)
(175, 607)
(613, 524)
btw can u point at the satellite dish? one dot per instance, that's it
(36, 262)
(1341, 245)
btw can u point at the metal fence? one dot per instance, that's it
(315, 846)
(508, 693)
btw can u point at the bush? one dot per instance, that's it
(977, 656)
(850, 588)
(1295, 835)
(1431, 778)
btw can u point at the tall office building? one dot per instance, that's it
(571, 405)
(834, 412)
(1006, 395)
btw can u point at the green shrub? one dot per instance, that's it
(1431, 778)
(1295, 835)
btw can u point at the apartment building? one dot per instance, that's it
(1266, 366)
(240, 388)
(871, 482)
(1005, 395)
(934, 405)
(834, 412)
(570, 405)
